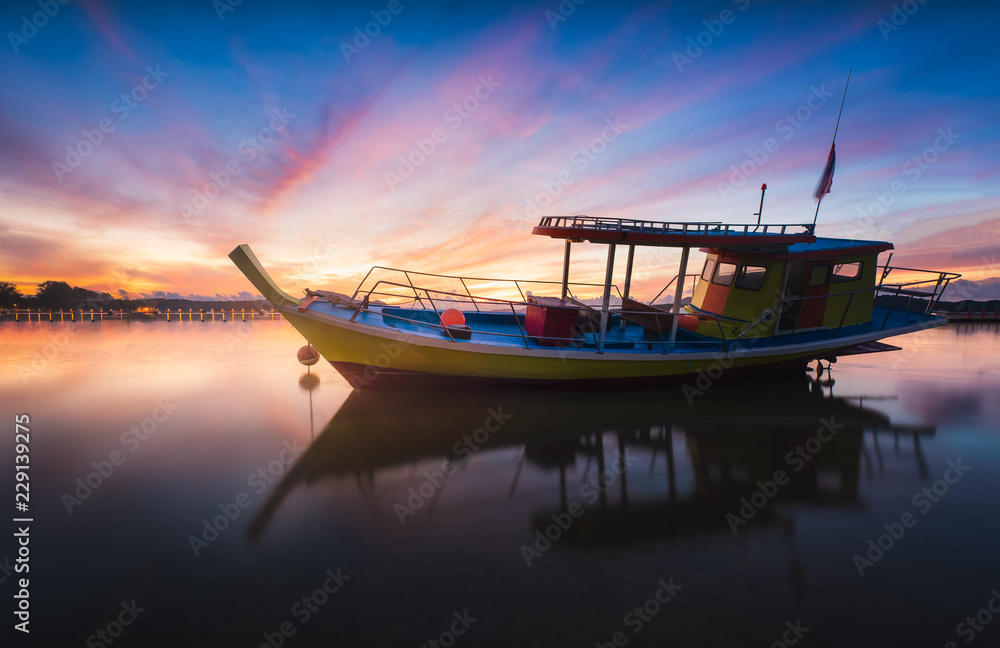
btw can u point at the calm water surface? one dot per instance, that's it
(194, 470)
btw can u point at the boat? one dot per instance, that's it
(768, 297)
(735, 436)
(144, 313)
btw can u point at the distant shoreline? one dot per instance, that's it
(117, 311)
(160, 304)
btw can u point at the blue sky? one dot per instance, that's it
(434, 143)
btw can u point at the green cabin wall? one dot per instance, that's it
(742, 307)
(862, 303)
(748, 305)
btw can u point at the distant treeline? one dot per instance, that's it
(961, 306)
(59, 295)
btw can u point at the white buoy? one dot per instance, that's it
(308, 356)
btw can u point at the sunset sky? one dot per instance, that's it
(141, 142)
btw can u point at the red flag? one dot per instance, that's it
(826, 181)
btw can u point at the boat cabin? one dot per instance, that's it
(824, 284)
(762, 280)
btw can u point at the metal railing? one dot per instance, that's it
(661, 227)
(656, 313)
(364, 306)
(671, 282)
(940, 281)
(518, 284)
(439, 300)
(905, 288)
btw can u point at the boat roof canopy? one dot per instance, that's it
(821, 248)
(781, 241)
(831, 246)
(664, 234)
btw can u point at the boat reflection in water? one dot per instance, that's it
(722, 454)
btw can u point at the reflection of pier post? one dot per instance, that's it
(918, 452)
(878, 453)
(517, 473)
(562, 486)
(668, 442)
(600, 468)
(622, 467)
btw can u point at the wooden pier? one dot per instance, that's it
(92, 315)
(973, 316)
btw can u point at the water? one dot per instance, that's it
(209, 419)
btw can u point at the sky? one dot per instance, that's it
(141, 142)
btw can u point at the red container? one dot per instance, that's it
(550, 320)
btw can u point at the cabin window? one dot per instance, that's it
(819, 275)
(724, 274)
(843, 272)
(751, 277)
(706, 274)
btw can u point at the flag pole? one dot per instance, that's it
(816, 215)
(844, 98)
(833, 143)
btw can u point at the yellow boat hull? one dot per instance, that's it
(370, 355)
(376, 358)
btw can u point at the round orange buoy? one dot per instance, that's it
(308, 356)
(452, 317)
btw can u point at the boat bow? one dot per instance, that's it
(250, 266)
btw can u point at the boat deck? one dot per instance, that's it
(506, 330)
